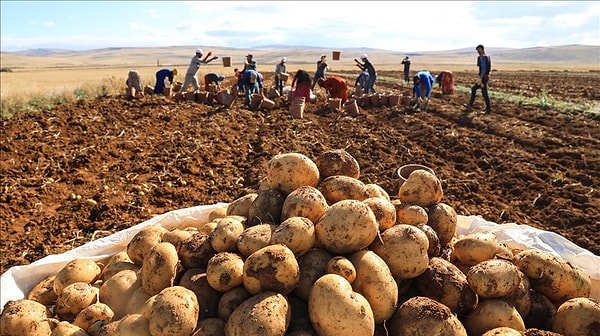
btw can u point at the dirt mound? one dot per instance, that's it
(83, 171)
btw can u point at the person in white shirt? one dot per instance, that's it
(279, 69)
(191, 73)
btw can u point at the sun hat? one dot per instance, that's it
(363, 56)
(323, 55)
(198, 51)
(283, 59)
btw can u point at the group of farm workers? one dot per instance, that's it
(250, 81)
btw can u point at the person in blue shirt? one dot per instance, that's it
(362, 79)
(252, 82)
(484, 62)
(422, 84)
(320, 73)
(161, 76)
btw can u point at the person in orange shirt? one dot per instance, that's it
(336, 87)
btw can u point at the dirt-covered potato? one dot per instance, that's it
(176, 236)
(195, 279)
(254, 238)
(384, 211)
(92, 313)
(231, 300)
(335, 309)
(290, 171)
(313, 265)
(493, 313)
(435, 248)
(577, 317)
(264, 314)
(404, 249)
(210, 327)
(65, 328)
(159, 268)
(339, 187)
(133, 325)
(101, 328)
(118, 262)
(25, 317)
(141, 243)
(73, 299)
(520, 297)
(78, 270)
(207, 228)
(502, 331)
(340, 265)
(541, 312)
(375, 190)
(297, 233)
(225, 271)
(283, 271)
(474, 248)
(240, 206)
(137, 300)
(493, 278)
(443, 218)
(553, 276)
(376, 283)
(195, 251)
(337, 162)
(444, 282)
(43, 291)
(410, 214)
(424, 316)
(174, 312)
(305, 201)
(118, 289)
(421, 188)
(226, 234)
(347, 226)
(266, 207)
(219, 212)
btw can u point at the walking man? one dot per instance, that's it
(484, 62)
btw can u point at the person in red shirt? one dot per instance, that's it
(336, 87)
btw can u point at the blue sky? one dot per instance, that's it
(392, 25)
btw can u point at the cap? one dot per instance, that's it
(363, 56)
(198, 51)
(283, 59)
(323, 55)
(249, 55)
(479, 47)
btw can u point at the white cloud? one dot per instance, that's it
(49, 23)
(579, 19)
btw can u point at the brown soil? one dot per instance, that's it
(82, 171)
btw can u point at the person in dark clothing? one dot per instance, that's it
(320, 73)
(406, 63)
(161, 76)
(367, 66)
(362, 79)
(484, 62)
(252, 82)
(302, 82)
(212, 77)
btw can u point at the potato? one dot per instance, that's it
(210, 327)
(137, 300)
(305, 201)
(502, 331)
(241, 205)
(25, 317)
(421, 188)
(444, 282)
(78, 270)
(118, 289)
(520, 297)
(290, 171)
(266, 208)
(493, 278)
(73, 299)
(226, 234)
(176, 236)
(375, 190)
(101, 328)
(337, 162)
(195, 251)
(196, 280)
(297, 233)
(338, 188)
(538, 332)
(231, 300)
(217, 213)
(300, 318)
(435, 248)
(207, 228)
(141, 243)
(375, 282)
(254, 238)
(410, 214)
(474, 248)
(159, 268)
(347, 226)
(404, 249)
(225, 271)
(92, 313)
(313, 265)
(541, 312)
(118, 262)
(335, 309)
(384, 211)
(341, 266)
(264, 314)
(577, 317)
(43, 291)
(133, 325)
(442, 218)
(553, 276)
(64, 328)
(174, 312)
(272, 268)
(424, 316)
(493, 313)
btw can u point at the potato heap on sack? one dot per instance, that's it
(314, 251)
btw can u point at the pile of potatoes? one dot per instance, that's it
(314, 251)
